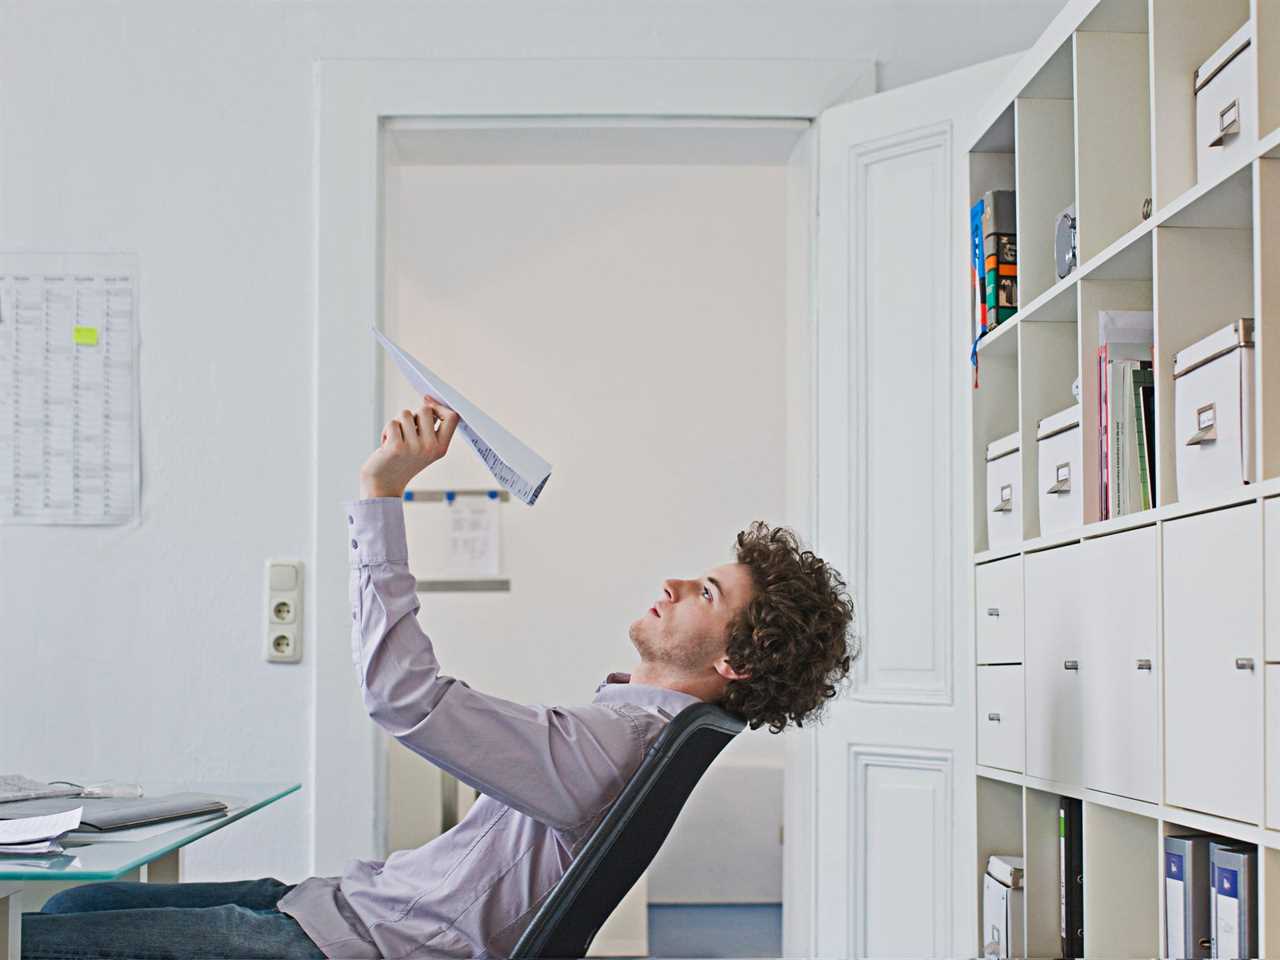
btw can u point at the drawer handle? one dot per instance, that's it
(1063, 483)
(1006, 500)
(1228, 123)
(1144, 664)
(1206, 426)
(994, 717)
(1070, 664)
(1244, 663)
(993, 611)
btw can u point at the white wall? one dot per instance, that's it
(183, 133)
(628, 322)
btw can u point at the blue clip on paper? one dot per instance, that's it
(493, 494)
(449, 495)
(408, 494)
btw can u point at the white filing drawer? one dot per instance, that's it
(1213, 412)
(1001, 717)
(1271, 566)
(1273, 746)
(1004, 492)
(999, 611)
(1122, 650)
(1058, 472)
(1225, 106)
(1056, 604)
(1213, 662)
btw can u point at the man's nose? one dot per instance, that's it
(672, 589)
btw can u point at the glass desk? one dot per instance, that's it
(154, 858)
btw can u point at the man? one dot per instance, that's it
(764, 636)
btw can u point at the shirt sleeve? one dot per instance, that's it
(559, 765)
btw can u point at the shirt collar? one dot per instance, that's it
(618, 688)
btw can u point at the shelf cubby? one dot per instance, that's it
(1266, 265)
(1041, 897)
(1183, 35)
(1267, 39)
(1132, 292)
(1203, 281)
(999, 828)
(1113, 136)
(1044, 151)
(995, 412)
(1122, 883)
(1047, 367)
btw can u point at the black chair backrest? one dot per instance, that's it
(629, 835)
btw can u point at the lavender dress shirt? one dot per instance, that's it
(546, 777)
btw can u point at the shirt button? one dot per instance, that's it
(354, 544)
(350, 519)
(353, 614)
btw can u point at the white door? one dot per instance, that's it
(893, 828)
(1123, 664)
(1055, 605)
(1213, 662)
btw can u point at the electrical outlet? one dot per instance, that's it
(283, 611)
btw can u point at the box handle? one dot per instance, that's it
(1228, 123)
(995, 717)
(1207, 426)
(1244, 663)
(1063, 482)
(1006, 500)
(1144, 664)
(1070, 664)
(993, 611)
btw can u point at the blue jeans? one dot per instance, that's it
(151, 921)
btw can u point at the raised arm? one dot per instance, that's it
(561, 766)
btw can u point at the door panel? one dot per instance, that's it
(891, 516)
(1123, 666)
(1212, 619)
(1055, 607)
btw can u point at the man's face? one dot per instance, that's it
(688, 625)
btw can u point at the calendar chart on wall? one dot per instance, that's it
(69, 437)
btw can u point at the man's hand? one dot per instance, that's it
(410, 443)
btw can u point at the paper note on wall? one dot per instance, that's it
(512, 464)
(475, 531)
(69, 442)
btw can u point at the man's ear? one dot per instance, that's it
(726, 671)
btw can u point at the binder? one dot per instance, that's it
(1186, 897)
(1070, 878)
(1233, 908)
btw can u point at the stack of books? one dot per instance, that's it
(994, 254)
(1126, 412)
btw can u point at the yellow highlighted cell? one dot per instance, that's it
(86, 336)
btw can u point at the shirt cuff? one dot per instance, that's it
(375, 531)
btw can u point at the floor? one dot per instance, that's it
(715, 930)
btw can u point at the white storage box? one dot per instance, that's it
(1225, 106)
(1002, 907)
(1058, 471)
(1213, 423)
(1004, 492)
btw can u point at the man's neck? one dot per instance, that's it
(709, 689)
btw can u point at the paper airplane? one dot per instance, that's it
(513, 465)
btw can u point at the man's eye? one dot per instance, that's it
(707, 592)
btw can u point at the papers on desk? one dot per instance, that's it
(35, 835)
(512, 464)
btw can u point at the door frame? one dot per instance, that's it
(353, 99)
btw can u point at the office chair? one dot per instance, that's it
(626, 840)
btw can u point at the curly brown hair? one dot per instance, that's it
(792, 636)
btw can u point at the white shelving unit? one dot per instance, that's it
(1160, 728)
